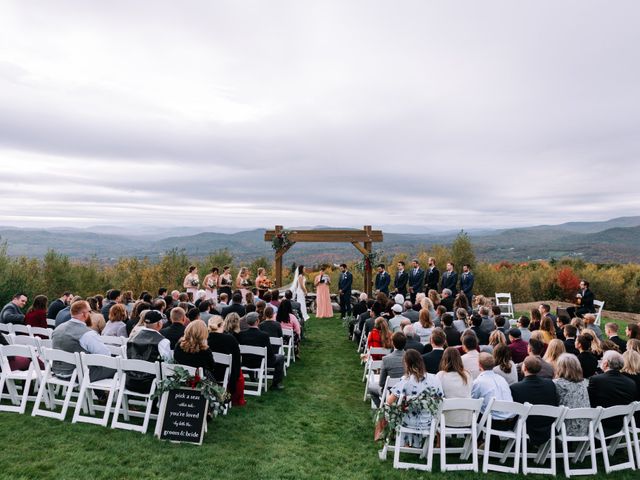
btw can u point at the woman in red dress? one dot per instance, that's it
(380, 336)
(37, 314)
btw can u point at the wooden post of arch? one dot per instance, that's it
(362, 240)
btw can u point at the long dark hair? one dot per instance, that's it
(300, 268)
(283, 311)
(39, 303)
(452, 362)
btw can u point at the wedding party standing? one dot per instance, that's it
(263, 284)
(191, 282)
(211, 284)
(226, 281)
(299, 288)
(344, 290)
(323, 295)
(584, 301)
(243, 283)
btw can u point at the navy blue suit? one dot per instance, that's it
(416, 282)
(400, 282)
(450, 281)
(344, 285)
(383, 280)
(466, 285)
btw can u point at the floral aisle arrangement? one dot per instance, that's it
(388, 418)
(181, 378)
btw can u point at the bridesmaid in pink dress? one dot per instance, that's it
(323, 295)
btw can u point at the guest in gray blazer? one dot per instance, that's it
(392, 366)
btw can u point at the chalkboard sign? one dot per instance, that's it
(182, 416)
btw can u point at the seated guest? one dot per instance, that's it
(589, 322)
(65, 314)
(235, 307)
(536, 349)
(452, 333)
(633, 331)
(440, 311)
(360, 307)
(611, 388)
(548, 329)
(456, 383)
(476, 322)
(571, 390)
(255, 337)
(394, 323)
(501, 324)
(588, 360)
(271, 327)
(471, 355)
(424, 326)
(496, 338)
(631, 369)
(113, 297)
(410, 313)
(175, 330)
(523, 326)
(517, 347)
(545, 311)
(97, 320)
(432, 359)
(537, 391)
(555, 349)
(380, 337)
(221, 342)
(489, 385)
(58, 304)
(149, 345)
(205, 308)
(570, 333)
(116, 326)
(232, 323)
(536, 318)
(134, 319)
(392, 367)
(360, 320)
(461, 323)
(74, 336)
(487, 324)
(633, 344)
(504, 365)
(192, 350)
(37, 315)
(611, 330)
(538, 335)
(413, 341)
(560, 323)
(447, 300)
(287, 319)
(584, 301)
(223, 298)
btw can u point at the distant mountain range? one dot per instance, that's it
(611, 241)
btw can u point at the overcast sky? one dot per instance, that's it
(254, 113)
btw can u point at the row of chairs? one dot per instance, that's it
(28, 330)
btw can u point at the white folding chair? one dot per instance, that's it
(51, 322)
(260, 373)
(25, 340)
(117, 350)
(287, 336)
(227, 361)
(370, 353)
(362, 344)
(113, 340)
(143, 399)
(21, 329)
(10, 378)
(6, 328)
(513, 447)
(389, 383)
(599, 307)
(51, 384)
(45, 343)
(586, 443)
(547, 451)
(610, 442)
(503, 300)
(373, 377)
(279, 342)
(635, 431)
(472, 406)
(41, 332)
(426, 451)
(87, 387)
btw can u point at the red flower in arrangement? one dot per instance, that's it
(279, 235)
(193, 383)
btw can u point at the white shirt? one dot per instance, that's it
(488, 385)
(470, 362)
(91, 341)
(164, 347)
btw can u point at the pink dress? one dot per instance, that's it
(323, 301)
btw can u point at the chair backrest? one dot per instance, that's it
(113, 340)
(53, 355)
(379, 351)
(6, 328)
(24, 340)
(375, 365)
(51, 322)
(22, 329)
(599, 307)
(42, 332)
(618, 411)
(222, 358)
(28, 351)
(287, 332)
(96, 360)
(168, 369)
(132, 365)
(276, 341)
(592, 414)
(45, 343)
(116, 350)
(502, 406)
(251, 350)
(471, 404)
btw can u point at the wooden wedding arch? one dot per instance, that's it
(361, 239)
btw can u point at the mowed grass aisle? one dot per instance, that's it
(318, 427)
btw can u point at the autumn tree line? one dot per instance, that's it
(617, 284)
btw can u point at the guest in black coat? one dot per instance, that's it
(193, 350)
(413, 341)
(450, 279)
(222, 342)
(588, 360)
(253, 336)
(570, 333)
(483, 337)
(584, 301)
(438, 343)
(451, 332)
(611, 388)
(401, 280)
(175, 330)
(537, 391)
(236, 306)
(611, 330)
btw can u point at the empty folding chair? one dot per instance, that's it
(503, 300)
(288, 337)
(362, 344)
(41, 332)
(586, 443)
(518, 412)
(143, 399)
(599, 305)
(15, 380)
(254, 376)
(87, 387)
(547, 451)
(470, 407)
(52, 384)
(227, 361)
(635, 431)
(610, 441)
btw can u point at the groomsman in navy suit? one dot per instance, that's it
(433, 276)
(450, 280)
(466, 282)
(416, 280)
(383, 280)
(344, 290)
(401, 280)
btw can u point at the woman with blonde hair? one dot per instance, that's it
(496, 338)
(97, 319)
(548, 329)
(232, 324)
(117, 325)
(193, 350)
(428, 304)
(379, 337)
(596, 347)
(424, 326)
(462, 320)
(631, 369)
(223, 342)
(633, 344)
(555, 349)
(435, 298)
(243, 283)
(571, 390)
(191, 282)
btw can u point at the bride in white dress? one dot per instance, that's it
(299, 289)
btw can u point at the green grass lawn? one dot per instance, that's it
(317, 428)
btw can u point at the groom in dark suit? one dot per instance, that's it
(401, 280)
(344, 290)
(466, 282)
(416, 280)
(383, 279)
(450, 280)
(433, 276)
